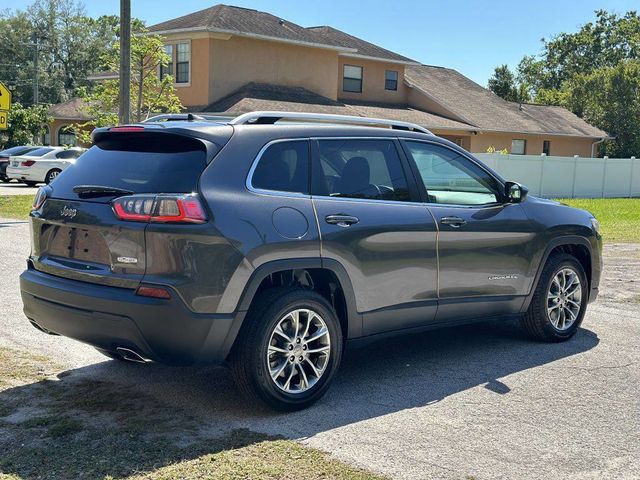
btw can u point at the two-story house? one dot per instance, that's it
(233, 60)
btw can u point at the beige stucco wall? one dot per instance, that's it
(239, 60)
(560, 146)
(373, 76)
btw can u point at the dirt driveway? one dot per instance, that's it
(474, 402)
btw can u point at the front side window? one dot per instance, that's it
(168, 69)
(283, 167)
(352, 79)
(518, 147)
(66, 137)
(369, 169)
(450, 178)
(390, 80)
(183, 59)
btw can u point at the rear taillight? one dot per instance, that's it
(28, 163)
(153, 292)
(164, 208)
(41, 196)
(126, 129)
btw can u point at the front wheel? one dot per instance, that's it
(289, 349)
(559, 301)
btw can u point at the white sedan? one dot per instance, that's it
(42, 165)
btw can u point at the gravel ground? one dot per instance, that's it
(14, 188)
(473, 402)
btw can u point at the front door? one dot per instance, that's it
(485, 245)
(370, 223)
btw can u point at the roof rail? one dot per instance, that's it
(269, 118)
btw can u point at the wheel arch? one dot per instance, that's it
(350, 319)
(579, 247)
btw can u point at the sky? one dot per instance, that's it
(471, 36)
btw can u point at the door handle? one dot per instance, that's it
(455, 222)
(341, 220)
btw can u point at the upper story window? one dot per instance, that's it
(352, 79)
(183, 61)
(518, 146)
(390, 80)
(168, 69)
(283, 167)
(353, 168)
(450, 178)
(179, 66)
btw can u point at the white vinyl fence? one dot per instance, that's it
(569, 177)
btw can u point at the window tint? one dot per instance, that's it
(39, 152)
(360, 169)
(68, 154)
(352, 79)
(283, 167)
(390, 80)
(451, 178)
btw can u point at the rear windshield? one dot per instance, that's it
(149, 166)
(38, 152)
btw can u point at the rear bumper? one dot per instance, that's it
(108, 317)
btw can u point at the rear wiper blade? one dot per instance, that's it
(99, 191)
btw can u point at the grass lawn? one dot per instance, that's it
(619, 217)
(15, 206)
(54, 428)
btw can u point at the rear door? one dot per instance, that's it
(78, 236)
(371, 225)
(485, 245)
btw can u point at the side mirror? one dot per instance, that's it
(514, 192)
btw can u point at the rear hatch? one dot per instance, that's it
(76, 233)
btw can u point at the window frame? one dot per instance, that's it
(170, 66)
(524, 149)
(176, 63)
(424, 192)
(262, 191)
(391, 80)
(415, 196)
(344, 77)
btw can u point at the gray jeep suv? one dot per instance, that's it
(270, 240)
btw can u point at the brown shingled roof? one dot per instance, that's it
(258, 96)
(482, 108)
(333, 36)
(72, 109)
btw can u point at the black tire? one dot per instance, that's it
(51, 174)
(110, 353)
(536, 321)
(5, 180)
(30, 184)
(248, 357)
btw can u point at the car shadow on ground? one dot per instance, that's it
(186, 406)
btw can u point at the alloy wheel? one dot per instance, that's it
(564, 298)
(299, 350)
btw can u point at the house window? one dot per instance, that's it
(183, 60)
(546, 147)
(66, 137)
(390, 80)
(46, 136)
(518, 146)
(352, 79)
(168, 69)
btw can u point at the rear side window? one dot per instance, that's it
(160, 163)
(283, 167)
(360, 169)
(68, 154)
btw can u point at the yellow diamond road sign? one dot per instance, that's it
(5, 105)
(5, 97)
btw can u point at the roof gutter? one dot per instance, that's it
(597, 142)
(255, 36)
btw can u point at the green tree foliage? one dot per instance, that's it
(149, 93)
(503, 83)
(70, 45)
(594, 73)
(25, 126)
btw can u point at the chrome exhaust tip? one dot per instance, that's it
(131, 355)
